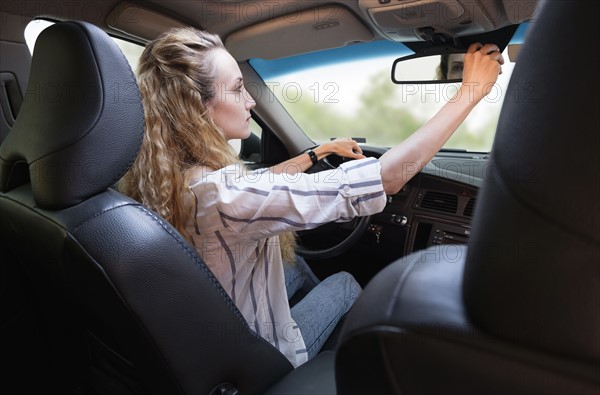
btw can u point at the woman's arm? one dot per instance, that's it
(260, 204)
(343, 146)
(405, 160)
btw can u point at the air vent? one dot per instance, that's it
(440, 202)
(470, 207)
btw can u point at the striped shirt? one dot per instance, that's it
(238, 216)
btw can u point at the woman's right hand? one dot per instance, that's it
(483, 64)
(342, 146)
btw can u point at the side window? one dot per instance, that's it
(250, 149)
(131, 51)
(255, 128)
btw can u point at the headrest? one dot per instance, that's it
(533, 268)
(81, 123)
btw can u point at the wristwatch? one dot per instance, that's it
(313, 156)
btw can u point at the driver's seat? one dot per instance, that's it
(125, 304)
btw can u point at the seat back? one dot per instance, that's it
(533, 270)
(515, 311)
(125, 304)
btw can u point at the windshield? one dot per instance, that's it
(348, 92)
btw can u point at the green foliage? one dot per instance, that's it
(318, 120)
(380, 119)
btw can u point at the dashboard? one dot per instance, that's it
(434, 208)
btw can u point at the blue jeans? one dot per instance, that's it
(320, 310)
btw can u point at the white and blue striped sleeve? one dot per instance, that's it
(262, 204)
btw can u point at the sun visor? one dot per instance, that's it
(300, 32)
(126, 18)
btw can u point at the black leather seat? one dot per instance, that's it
(518, 309)
(123, 303)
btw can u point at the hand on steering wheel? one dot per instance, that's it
(360, 226)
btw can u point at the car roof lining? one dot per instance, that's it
(246, 26)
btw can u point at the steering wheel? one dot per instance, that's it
(358, 227)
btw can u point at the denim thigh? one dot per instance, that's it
(318, 313)
(298, 276)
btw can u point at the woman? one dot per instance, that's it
(195, 101)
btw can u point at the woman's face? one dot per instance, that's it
(230, 108)
(455, 66)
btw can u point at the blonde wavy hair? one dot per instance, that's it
(176, 77)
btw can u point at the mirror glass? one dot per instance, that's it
(428, 69)
(513, 52)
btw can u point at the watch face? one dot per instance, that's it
(313, 157)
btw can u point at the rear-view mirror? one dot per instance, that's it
(417, 69)
(438, 68)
